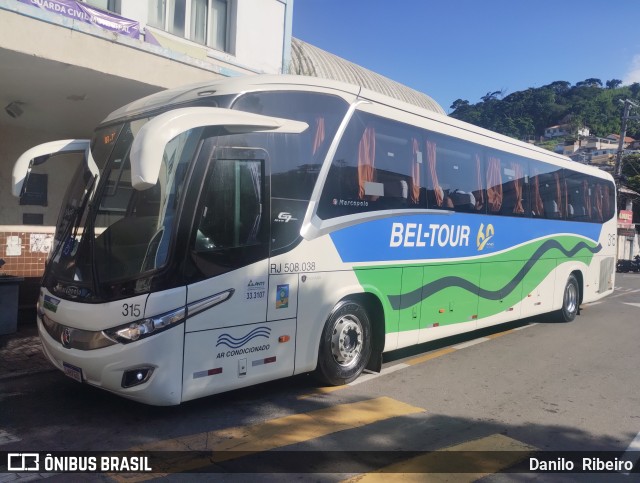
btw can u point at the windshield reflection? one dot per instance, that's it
(108, 232)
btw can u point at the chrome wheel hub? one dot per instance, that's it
(346, 340)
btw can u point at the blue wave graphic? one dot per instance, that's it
(404, 301)
(233, 343)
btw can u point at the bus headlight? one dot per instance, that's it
(140, 329)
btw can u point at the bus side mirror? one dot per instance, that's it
(38, 155)
(150, 142)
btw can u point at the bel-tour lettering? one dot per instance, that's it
(434, 234)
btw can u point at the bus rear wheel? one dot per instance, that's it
(570, 300)
(345, 346)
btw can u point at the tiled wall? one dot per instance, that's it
(25, 249)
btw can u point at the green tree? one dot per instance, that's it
(459, 104)
(591, 82)
(613, 83)
(559, 87)
(631, 171)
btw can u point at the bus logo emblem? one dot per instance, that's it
(65, 337)
(484, 235)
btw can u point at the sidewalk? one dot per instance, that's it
(20, 352)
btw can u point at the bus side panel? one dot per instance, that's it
(449, 299)
(246, 302)
(234, 357)
(501, 291)
(600, 276)
(538, 295)
(601, 280)
(410, 306)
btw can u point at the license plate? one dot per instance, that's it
(72, 371)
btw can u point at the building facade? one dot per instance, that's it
(65, 65)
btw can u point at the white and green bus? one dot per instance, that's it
(243, 230)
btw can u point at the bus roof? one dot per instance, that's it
(227, 85)
(235, 85)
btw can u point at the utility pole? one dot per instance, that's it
(617, 172)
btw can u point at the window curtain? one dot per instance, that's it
(606, 202)
(598, 206)
(415, 172)
(587, 198)
(494, 185)
(431, 161)
(538, 205)
(479, 194)
(558, 197)
(518, 209)
(320, 134)
(366, 159)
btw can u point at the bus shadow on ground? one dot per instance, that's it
(466, 337)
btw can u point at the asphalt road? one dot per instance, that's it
(533, 386)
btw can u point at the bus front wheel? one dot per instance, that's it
(570, 300)
(345, 346)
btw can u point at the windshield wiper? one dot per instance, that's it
(68, 237)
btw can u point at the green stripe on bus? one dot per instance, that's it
(442, 293)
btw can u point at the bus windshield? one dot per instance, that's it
(119, 233)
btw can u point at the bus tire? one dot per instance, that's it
(570, 300)
(345, 346)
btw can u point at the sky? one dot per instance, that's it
(464, 49)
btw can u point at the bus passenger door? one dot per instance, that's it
(228, 341)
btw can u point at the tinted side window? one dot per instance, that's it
(507, 185)
(548, 191)
(579, 204)
(454, 175)
(379, 165)
(295, 158)
(230, 227)
(232, 205)
(609, 193)
(603, 199)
